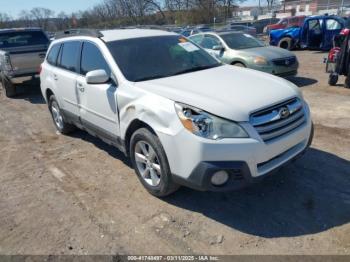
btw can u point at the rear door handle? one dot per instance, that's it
(55, 77)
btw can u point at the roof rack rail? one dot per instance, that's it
(79, 32)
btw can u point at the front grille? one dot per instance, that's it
(278, 120)
(289, 61)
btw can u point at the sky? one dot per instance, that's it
(14, 7)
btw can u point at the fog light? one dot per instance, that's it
(219, 178)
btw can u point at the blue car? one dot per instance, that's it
(317, 32)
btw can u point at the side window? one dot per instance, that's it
(293, 21)
(332, 24)
(69, 56)
(210, 41)
(53, 54)
(284, 22)
(315, 26)
(92, 59)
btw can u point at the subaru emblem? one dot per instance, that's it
(284, 112)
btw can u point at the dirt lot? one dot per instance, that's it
(76, 195)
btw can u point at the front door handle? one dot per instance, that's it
(80, 87)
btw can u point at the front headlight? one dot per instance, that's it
(206, 125)
(259, 60)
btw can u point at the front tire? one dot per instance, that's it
(286, 43)
(151, 164)
(61, 125)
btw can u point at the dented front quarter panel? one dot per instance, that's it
(154, 110)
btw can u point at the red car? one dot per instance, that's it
(286, 22)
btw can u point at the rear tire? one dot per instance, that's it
(58, 119)
(347, 82)
(9, 88)
(332, 79)
(286, 43)
(151, 164)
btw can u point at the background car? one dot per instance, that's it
(317, 32)
(242, 28)
(22, 50)
(246, 23)
(195, 30)
(261, 24)
(244, 50)
(292, 21)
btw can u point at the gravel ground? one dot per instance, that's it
(76, 195)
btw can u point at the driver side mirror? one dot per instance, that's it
(97, 77)
(218, 48)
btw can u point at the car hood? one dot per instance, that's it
(269, 52)
(227, 91)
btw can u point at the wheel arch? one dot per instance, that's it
(238, 62)
(48, 94)
(131, 129)
(289, 37)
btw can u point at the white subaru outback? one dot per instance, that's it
(182, 116)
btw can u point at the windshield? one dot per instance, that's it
(241, 41)
(24, 38)
(147, 58)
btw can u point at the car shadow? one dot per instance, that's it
(30, 93)
(307, 197)
(111, 150)
(302, 81)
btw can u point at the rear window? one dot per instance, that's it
(25, 38)
(52, 56)
(70, 55)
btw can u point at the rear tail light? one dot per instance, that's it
(333, 54)
(7, 63)
(40, 69)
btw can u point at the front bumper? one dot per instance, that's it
(193, 160)
(282, 71)
(239, 173)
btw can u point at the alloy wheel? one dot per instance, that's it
(147, 163)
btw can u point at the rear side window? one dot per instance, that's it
(22, 38)
(293, 20)
(332, 24)
(70, 56)
(53, 54)
(92, 59)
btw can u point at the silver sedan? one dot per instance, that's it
(241, 49)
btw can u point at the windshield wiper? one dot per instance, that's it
(197, 68)
(150, 78)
